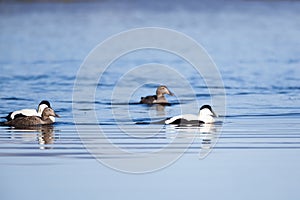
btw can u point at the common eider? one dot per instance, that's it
(159, 98)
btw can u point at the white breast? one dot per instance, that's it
(206, 116)
(52, 118)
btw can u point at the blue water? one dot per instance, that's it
(254, 44)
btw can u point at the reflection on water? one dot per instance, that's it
(46, 137)
(160, 110)
(205, 136)
(157, 110)
(43, 135)
(256, 150)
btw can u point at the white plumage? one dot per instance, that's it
(205, 116)
(30, 112)
(26, 112)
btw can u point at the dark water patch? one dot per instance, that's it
(262, 90)
(143, 122)
(285, 61)
(86, 102)
(31, 77)
(284, 107)
(5, 79)
(250, 93)
(15, 99)
(147, 121)
(119, 103)
(61, 84)
(136, 103)
(62, 110)
(150, 85)
(203, 95)
(65, 101)
(263, 115)
(59, 123)
(95, 124)
(107, 85)
(66, 78)
(293, 61)
(287, 88)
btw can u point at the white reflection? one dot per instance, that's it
(205, 136)
(44, 136)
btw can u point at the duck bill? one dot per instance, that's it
(171, 93)
(214, 114)
(56, 115)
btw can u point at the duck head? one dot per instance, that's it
(44, 104)
(49, 113)
(206, 114)
(161, 90)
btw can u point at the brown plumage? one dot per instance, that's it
(23, 121)
(159, 97)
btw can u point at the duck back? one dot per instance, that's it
(148, 99)
(24, 121)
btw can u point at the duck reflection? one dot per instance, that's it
(209, 136)
(45, 136)
(205, 135)
(158, 109)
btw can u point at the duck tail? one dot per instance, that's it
(142, 100)
(8, 117)
(2, 123)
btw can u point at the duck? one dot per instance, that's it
(27, 121)
(159, 98)
(206, 115)
(29, 112)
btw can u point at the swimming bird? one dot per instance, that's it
(159, 97)
(29, 112)
(205, 116)
(25, 121)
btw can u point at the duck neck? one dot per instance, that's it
(206, 118)
(41, 109)
(45, 118)
(159, 94)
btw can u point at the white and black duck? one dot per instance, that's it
(29, 112)
(24, 121)
(206, 115)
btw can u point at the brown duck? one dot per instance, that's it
(23, 121)
(159, 98)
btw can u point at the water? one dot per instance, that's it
(256, 48)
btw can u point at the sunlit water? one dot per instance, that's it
(256, 48)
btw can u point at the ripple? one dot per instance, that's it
(264, 115)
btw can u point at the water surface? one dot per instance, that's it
(256, 48)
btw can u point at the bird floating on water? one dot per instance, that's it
(24, 121)
(159, 98)
(205, 116)
(29, 112)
